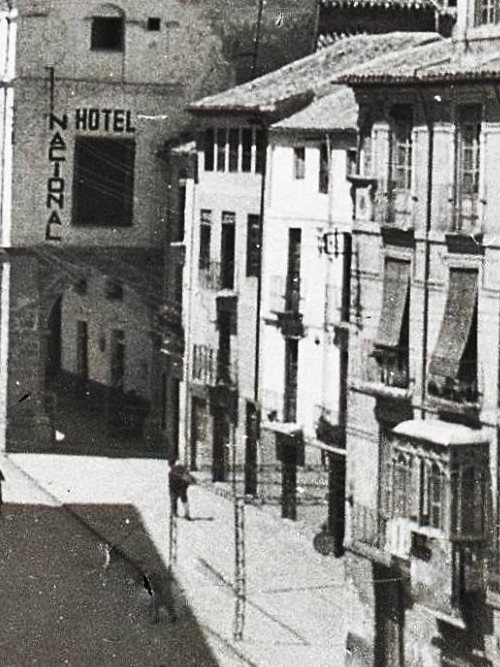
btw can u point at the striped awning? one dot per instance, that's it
(396, 286)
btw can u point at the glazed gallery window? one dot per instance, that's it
(299, 163)
(486, 12)
(235, 149)
(103, 182)
(401, 147)
(107, 33)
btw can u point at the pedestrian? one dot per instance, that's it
(179, 480)
(2, 480)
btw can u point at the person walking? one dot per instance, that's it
(179, 480)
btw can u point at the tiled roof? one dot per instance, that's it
(311, 74)
(445, 61)
(336, 111)
(387, 4)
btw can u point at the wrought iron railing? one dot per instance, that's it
(211, 367)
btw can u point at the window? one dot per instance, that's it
(221, 149)
(234, 145)
(260, 151)
(117, 358)
(103, 182)
(82, 349)
(324, 168)
(291, 379)
(401, 147)
(453, 365)
(299, 162)
(227, 249)
(468, 163)
(392, 341)
(153, 24)
(253, 245)
(113, 290)
(246, 149)
(205, 238)
(351, 161)
(235, 149)
(177, 233)
(107, 33)
(431, 497)
(224, 351)
(81, 287)
(292, 296)
(209, 149)
(486, 12)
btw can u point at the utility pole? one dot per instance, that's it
(258, 29)
(239, 556)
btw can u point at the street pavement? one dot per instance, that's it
(295, 611)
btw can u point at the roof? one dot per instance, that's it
(312, 74)
(440, 433)
(140, 269)
(386, 4)
(337, 111)
(444, 61)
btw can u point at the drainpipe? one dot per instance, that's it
(427, 258)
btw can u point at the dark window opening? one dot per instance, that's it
(260, 151)
(234, 144)
(246, 149)
(209, 138)
(205, 238)
(178, 292)
(253, 245)
(291, 379)
(351, 161)
(292, 296)
(299, 162)
(153, 24)
(103, 182)
(221, 150)
(114, 290)
(324, 169)
(107, 33)
(117, 358)
(179, 228)
(81, 287)
(224, 352)
(228, 234)
(82, 349)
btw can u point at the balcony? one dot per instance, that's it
(368, 527)
(216, 276)
(211, 367)
(461, 217)
(394, 207)
(383, 372)
(455, 396)
(284, 302)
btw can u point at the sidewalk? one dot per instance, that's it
(294, 611)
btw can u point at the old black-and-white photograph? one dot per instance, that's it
(250, 333)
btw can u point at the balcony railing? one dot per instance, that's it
(211, 367)
(368, 526)
(455, 390)
(393, 207)
(460, 214)
(272, 404)
(381, 369)
(282, 298)
(217, 276)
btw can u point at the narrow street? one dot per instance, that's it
(60, 513)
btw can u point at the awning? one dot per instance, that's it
(396, 286)
(456, 324)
